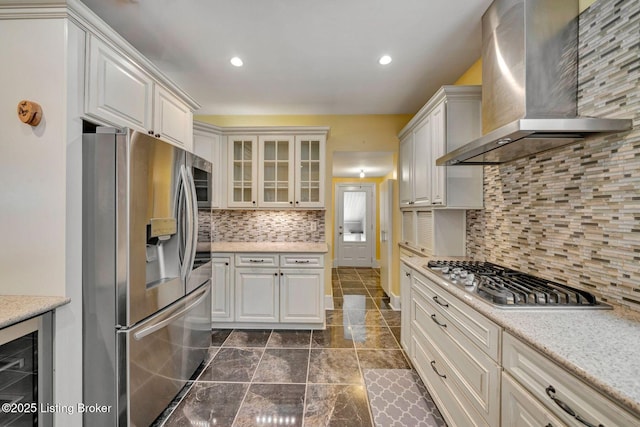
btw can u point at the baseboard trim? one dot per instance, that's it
(328, 302)
(395, 302)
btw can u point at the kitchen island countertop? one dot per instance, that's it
(293, 247)
(16, 308)
(601, 347)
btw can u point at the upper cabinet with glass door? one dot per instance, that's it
(309, 183)
(273, 170)
(243, 163)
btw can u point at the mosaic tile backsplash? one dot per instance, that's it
(267, 226)
(573, 214)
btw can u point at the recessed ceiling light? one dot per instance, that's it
(236, 62)
(384, 60)
(361, 173)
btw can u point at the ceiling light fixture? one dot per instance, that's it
(361, 173)
(236, 62)
(384, 60)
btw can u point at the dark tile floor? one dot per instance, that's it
(295, 378)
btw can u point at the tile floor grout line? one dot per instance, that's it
(252, 376)
(306, 385)
(364, 384)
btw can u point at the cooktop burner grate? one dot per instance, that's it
(506, 287)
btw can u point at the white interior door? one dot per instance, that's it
(386, 234)
(355, 225)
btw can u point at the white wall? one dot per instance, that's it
(32, 160)
(40, 184)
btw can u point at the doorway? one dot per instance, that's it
(355, 225)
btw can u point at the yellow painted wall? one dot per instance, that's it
(585, 4)
(348, 133)
(473, 76)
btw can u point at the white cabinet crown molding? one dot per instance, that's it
(206, 127)
(275, 130)
(87, 20)
(460, 91)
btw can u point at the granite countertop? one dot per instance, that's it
(269, 247)
(16, 308)
(602, 347)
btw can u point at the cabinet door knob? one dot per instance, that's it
(254, 202)
(291, 202)
(150, 132)
(275, 274)
(157, 135)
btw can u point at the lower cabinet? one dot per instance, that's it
(257, 295)
(519, 408)
(563, 396)
(222, 295)
(263, 290)
(480, 375)
(461, 374)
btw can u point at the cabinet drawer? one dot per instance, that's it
(257, 260)
(301, 260)
(543, 378)
(477, 328)
(474, 373)
(427, 359)
(519, 408)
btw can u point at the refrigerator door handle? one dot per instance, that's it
(194, 219)
(189, 244)
(161, 323)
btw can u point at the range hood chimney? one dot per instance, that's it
(529, 84)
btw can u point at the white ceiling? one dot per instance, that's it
(348, 164)
(303, 56)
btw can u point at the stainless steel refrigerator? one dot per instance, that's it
(146, 289)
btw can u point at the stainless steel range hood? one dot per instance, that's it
(529, 84)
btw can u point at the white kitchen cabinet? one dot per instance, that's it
(222, 292)
(172, 119)
(118, 91)
(440, 232)
(276, 171)
(422, 184)
(276, 168)
(301, 295)
(310, 171)
(207, 143)
(243, 171)
(454, 330)
(521, 409)
(437, 121)
(268, 290)
(405, 306)
(560, 393)
(121, 93)
(451, 118)
(257, 294)
(405, 166)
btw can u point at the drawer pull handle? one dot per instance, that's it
(433, 317)
(446, 304)
(433, 366)
(407, 274)
(302, 261)
(256, 260)
(551, 392)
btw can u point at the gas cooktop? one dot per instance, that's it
(507, 288)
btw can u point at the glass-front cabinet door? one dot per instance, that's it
(309, 185)
(276, 171)
(243, 182)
